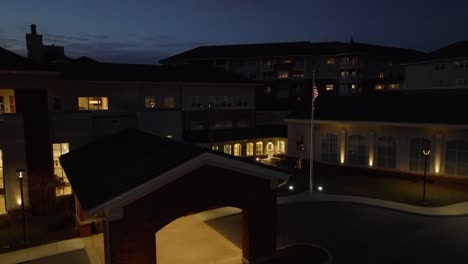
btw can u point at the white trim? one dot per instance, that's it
(396, 124)
(183, 169)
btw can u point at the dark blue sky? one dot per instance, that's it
(144, 31)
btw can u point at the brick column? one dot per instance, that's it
(259, 233)
(130, 242)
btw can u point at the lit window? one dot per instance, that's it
(221, 124)
(381, 75)
(353, 86)
(169, 136)
(150, 102)
(344, 74)
(281, 146)
(62, 186)
(7, 101)
(249, 149)
(237, 150)
(394, 85)
(329, 87)
(215, 148)
(287, 61)
(169, 102)
(227, 149)
(259, 148)
(270, 148)
(282, 75)
(2, 187)
(93, 103)
(379, 86)
(331, 60)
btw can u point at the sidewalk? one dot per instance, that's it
(450, 210)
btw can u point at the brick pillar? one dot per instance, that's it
(259, 232)
(130, 242)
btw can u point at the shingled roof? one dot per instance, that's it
(108, 168)
(288, 49)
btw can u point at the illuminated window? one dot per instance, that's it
(330, 148)
(282, 75)
(381, 75)
(169, 136)
(416, 155)
(394, 85)
(259, 148)
(353, 86)
(281, 146)
(456, 158)
(344, 74)
(386, 152)
(357, 150)
(249, 149)
(237, 150)
(93, 103)
(287, 61)
(169, 102)
(221, 124)
(2, 187)
(227, 149)
(329, 87)
(215, 148)
(150, 102)
(62, 184)
(331, 60)
(7, 101)
(379, 86)
(270, 148)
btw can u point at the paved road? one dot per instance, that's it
(364, 234)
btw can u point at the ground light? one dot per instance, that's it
(320, 188)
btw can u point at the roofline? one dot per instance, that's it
(175, 173)
(30, 72)
(435, 60)
(399, 124)
(155, 82)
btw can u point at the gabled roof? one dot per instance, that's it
(417, 107)
(8, 58)
(126, 163)
(456, 50)
(287, 49)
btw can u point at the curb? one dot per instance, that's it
(458, 209)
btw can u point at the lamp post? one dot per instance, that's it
(426, 153)
(20, 173)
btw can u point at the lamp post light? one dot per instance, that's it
(20, 173)
(426, 153)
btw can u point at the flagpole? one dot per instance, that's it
(311, 139)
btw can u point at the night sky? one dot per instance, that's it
(144, 31)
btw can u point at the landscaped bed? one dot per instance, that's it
(385, 185)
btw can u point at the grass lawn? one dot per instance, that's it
(380, 186)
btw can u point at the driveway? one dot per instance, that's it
(365, 234)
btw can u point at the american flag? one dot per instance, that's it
(316, 94)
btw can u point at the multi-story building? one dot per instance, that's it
(442, 69)
(47, 110)
(386, 132)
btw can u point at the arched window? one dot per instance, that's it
(249, 149)
(330, 148)
(281, 146)
(456, 158)
(237, 150)
(227, 149)
(416, 155)
(386, 152)
(270, 149)
(259, 148)
(357, 150)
